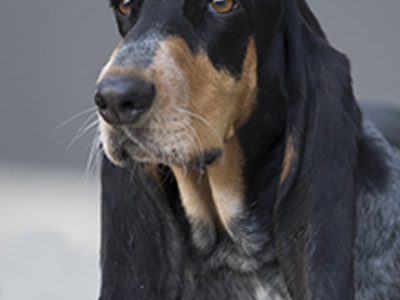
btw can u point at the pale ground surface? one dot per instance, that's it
(49, 234)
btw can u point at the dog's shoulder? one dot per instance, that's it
(377, 251)
(379, 163)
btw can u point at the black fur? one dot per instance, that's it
(330, 230)
(141, 243)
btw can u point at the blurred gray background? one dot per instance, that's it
(50, 54)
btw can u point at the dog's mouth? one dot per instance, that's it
(170, 139)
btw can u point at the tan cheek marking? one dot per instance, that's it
(209, 98)
(222, 102)
(290, 155)
(247, 87)
(227, 184)
(225, 103)
(196, 196)
(231, 108)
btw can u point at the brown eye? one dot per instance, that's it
(125, 7)
(222, 6)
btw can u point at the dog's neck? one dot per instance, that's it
(215, 199)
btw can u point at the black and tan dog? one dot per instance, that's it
(237, 163)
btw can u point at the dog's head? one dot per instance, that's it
(182, 80)
(194, 79)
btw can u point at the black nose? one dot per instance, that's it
(122, 99)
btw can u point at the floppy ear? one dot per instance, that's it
(141, 247)
(315, 210)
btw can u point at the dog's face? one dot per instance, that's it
(180, 83)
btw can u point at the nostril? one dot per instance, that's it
(100, 102)
(127, 106)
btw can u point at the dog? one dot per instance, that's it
(237, 163)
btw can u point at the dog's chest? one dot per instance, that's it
(267, 292)
(224, 283)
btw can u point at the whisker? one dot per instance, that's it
(94, 155)
(74, 117)
(84, 128)
(199, 146)
(179, 154)
(204, 121)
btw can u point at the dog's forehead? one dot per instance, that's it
(224, 38)
(170, 5)
(164, 16)
(160, 9)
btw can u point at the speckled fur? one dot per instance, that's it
(377, 245)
